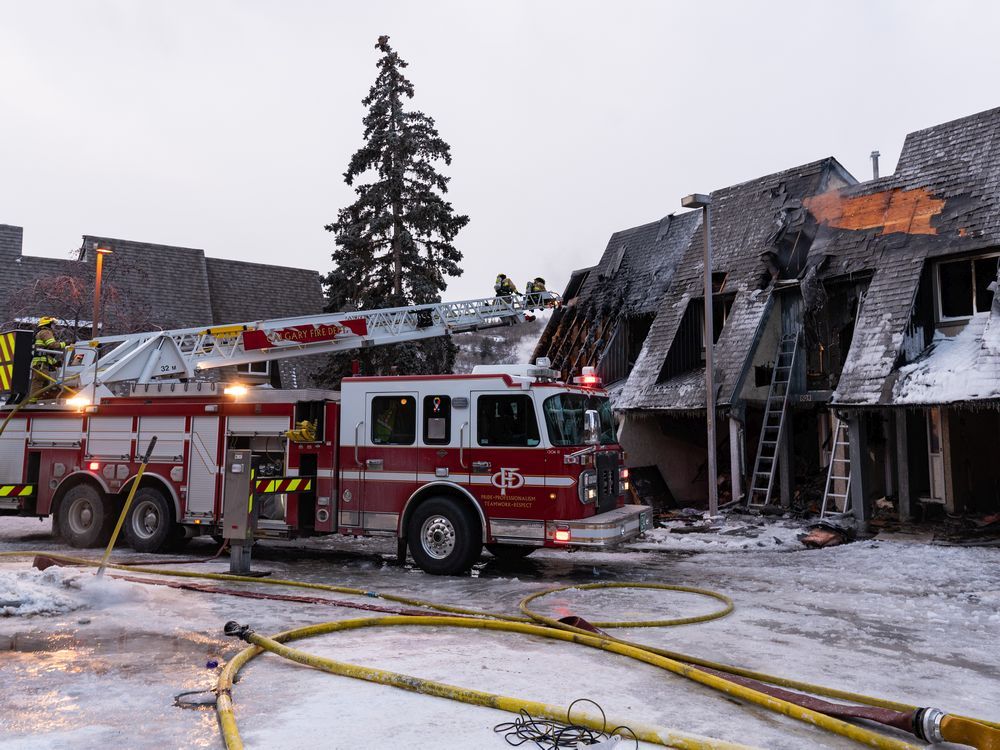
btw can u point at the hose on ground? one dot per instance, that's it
(929, 724)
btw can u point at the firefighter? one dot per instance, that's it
(44, 362)
(505, 286)
(533, 287)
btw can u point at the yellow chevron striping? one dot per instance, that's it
(293, 484)
(6, 372)
(6, 348)
(27, 491)
(6, 490)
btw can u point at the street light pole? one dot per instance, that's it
(101, 252)
(704, 202)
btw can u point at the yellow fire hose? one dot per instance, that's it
(125, 507)
(983, 735)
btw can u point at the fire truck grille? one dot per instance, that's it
(607, 481)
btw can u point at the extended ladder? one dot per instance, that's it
(182, 353)
(838, 475)
(766, 466)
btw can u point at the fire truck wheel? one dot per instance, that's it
(444, 537)
(509, 553)
(85, 517)
(150, 524)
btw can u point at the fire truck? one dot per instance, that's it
(508, 456)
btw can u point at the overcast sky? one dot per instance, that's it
(228, 125)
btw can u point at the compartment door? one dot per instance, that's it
(203, 466)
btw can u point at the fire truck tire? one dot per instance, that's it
(510, 553)
(444, 537)
(150, 523)
(85, 517)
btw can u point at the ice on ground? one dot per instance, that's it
(58, 590)
(732, 534)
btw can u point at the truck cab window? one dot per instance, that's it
(506, 421)
(437, 420)
(394, 420)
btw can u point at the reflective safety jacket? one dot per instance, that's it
(45, 339)
(504, 286)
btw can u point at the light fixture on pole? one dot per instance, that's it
(101, 252)
(704, 202)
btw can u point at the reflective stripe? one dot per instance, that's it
(17, 490)
(3, 347)
(5, 375)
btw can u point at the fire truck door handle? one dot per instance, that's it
(461, 446)
(357, 429)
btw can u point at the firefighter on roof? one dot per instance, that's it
(44, 361)
(505, 286)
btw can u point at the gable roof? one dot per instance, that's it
(746, 220)
(943, 199)
(635, 270)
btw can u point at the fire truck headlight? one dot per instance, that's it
(562, 535)
(591, 494)
(236, 389)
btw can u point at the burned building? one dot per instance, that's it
(857, 335)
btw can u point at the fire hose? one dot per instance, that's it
(925, 723)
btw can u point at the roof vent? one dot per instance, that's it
(875, 155)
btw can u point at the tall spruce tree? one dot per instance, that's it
(394, 244)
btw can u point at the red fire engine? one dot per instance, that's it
(507, 457)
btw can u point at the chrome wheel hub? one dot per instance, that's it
(81, 517)
(437, 536)
(145, 519)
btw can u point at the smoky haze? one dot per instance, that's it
(228, 125)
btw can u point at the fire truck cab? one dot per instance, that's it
(500, 457)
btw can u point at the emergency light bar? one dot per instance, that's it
(588, 377)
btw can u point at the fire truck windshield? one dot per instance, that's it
(564, 418)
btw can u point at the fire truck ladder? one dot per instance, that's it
(766, 466)
(182, 353)
(838, 475)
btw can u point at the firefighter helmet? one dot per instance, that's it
(45, 321)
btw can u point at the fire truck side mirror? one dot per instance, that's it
(591, 427)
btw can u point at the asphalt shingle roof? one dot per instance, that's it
(744, 219)
(950, 175)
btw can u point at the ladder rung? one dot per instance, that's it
(836, 477)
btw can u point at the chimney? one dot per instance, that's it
(875, 156)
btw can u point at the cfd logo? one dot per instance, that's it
(507, 479)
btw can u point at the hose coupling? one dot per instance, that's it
(927, 724)
(234, 629)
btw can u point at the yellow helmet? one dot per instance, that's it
(45, 321)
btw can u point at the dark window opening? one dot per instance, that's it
(394, 420)
(437, 420)
(963, 286)
(506, 421)
(985, 272)
(719, 281)
(687, 350)
(621, 353)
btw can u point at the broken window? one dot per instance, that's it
(963, 286)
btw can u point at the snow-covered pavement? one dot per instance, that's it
(96, 663)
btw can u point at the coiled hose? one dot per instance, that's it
(926, 723)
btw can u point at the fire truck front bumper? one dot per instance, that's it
(603, 530)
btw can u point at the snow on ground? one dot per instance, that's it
(56, 590)
(728, 534)
(907, 621)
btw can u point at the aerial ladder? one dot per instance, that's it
(93, 368)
